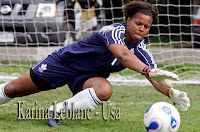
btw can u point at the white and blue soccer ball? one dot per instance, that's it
(162, 117)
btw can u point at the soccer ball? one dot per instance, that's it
(162, 117)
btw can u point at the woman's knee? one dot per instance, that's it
(105, 92)
(21, 86)
(102, 87)
(10, 90)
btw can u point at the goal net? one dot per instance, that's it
(30, 30)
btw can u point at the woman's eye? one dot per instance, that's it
(138, 23)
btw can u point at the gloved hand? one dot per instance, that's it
(160, 75)
(179, 97)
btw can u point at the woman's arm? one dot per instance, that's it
(127, 58)
(159, 87)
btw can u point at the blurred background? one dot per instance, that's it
(61, 22)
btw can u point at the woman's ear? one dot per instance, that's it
(128, 21)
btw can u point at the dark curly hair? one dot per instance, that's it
(140, 5)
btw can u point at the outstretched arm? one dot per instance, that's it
(156, 76)
(127, 58)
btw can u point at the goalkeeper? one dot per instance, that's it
(85, 65)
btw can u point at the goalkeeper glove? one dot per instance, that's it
(179, 97)
(160, 75)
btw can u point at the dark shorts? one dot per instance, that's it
(51, 73)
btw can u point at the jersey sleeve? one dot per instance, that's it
(144, 55)
(113, 34)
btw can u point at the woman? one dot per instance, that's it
(85, 65)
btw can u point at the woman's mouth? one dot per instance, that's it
(138, 34)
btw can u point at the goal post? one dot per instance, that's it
(170, 39)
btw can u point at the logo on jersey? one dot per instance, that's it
(42, 68)
(132, 50)
(142, 45)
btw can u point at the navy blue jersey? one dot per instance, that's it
(89, 58)
(91, 55)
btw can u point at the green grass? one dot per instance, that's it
(132, 101)
(16, 66)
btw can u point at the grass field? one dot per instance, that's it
(131, 100)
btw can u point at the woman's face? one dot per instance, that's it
(137, 27)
